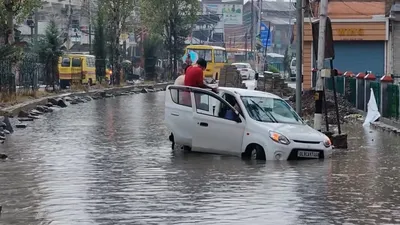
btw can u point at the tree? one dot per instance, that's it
(14, 10)
(173, 20)
(118, 11)
(151, 47)
(286, 61)
(49, 51)
(100, 44)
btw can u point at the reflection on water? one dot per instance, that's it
(109, 162)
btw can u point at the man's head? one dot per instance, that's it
(202, 63)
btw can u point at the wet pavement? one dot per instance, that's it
(109, 162)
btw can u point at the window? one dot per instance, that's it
(293, 62)
(181, 97)
(211, 106)
(240, 66)
(90, 62)
(76, 62)
(219, 56)
(270, 110)
(65, 62)
(232, 101)
(203, 53)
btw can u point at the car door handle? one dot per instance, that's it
(175, 114)
(203, 124)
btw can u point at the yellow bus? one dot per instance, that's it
(76, 69)
(214, 55)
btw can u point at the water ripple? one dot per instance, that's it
(109, 162)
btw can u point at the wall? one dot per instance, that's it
(342, 32)
(353, 31)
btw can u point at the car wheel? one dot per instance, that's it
(256, 152)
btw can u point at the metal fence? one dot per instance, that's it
(26, 74)
(358, 91)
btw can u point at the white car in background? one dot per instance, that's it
(245, 70)
(241, 122)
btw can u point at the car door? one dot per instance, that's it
(212, 132)
(179, 115)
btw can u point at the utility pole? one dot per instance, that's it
(299, 54)
(245, 45)
(252, 27)
(259, 29)
(319, 88)
(90, 27)
(69, 12)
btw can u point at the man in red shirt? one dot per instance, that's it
(194, 75)
(194, 78)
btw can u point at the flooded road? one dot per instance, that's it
(109, 162)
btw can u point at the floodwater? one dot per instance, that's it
(109, 162)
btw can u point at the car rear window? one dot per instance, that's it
(240, 66)
(181, 97)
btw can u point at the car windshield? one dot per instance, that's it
(242, 66)
(294, 62)
(270, 110)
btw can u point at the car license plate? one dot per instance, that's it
(308, 154)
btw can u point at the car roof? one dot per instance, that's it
(248, 92)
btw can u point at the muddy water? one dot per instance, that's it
(109, 162)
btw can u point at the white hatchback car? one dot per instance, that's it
(241, 122)
(245, 70)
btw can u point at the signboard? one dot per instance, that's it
(232, 14)
(265, 35)
(350, 32)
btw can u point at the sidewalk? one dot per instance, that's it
(29, 102)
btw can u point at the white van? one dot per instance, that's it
(241, 122)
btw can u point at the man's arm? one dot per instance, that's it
(201, 83)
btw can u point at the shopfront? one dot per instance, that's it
(360, 45)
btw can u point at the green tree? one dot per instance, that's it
(49, 51)
(100, 44)
(151, 47)
(118, 12)
(286, 61)
(14, 10)
(173, 20)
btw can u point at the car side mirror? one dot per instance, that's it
(256, 76)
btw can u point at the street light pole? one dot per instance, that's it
(319, 87)
(252, 27)
(299, 54)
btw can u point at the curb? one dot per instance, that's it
(29, 105)
(384, 124)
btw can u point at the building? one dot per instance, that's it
(394, 27)
(360, 35)
(278, 14)
(230, 27)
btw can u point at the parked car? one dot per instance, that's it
(245, 70)
(241, 122)
(293, 69)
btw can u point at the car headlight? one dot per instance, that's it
(279, 138)
(327, 142)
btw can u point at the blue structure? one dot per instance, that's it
(265, 35)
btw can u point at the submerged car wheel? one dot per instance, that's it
(256, 152)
